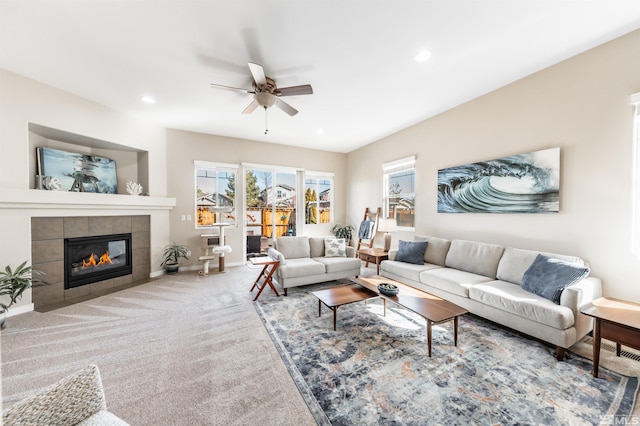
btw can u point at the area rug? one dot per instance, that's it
(375, 369)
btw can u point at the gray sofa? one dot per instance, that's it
(486, 280)
(303, 261)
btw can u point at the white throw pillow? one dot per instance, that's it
(335, 247)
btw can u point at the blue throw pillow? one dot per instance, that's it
(548, 277)
(411, 252)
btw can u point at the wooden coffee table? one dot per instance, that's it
(335, 297)
(434, 309)
(615, 320)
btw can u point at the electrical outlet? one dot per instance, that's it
(188, 217)
(184, 217)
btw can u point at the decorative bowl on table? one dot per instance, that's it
(388, 289)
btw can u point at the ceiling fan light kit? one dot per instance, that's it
(266, 93)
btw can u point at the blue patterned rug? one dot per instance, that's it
(376, 370)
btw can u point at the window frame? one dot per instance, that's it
(319, 176)
(217, 168)
(394, 167)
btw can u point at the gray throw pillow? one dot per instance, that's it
(548, 277)
(411, 252)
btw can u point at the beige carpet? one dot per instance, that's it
(181, 350)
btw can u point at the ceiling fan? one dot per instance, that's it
(265, 92)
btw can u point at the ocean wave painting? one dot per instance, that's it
(523, 183)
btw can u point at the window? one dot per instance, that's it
(318, 198)
(635, 218)
(399, 191)
(215, 193)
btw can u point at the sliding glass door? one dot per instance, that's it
(271, 199)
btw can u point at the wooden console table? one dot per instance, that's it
(615, 320)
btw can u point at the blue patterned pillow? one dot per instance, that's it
(335, 247)
(548, 277)
(411, 252)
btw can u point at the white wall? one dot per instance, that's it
(185, 147)
(581, 105)
(24, 101)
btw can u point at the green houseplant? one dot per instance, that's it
(172, 255)
(13, 282)
(342, 232)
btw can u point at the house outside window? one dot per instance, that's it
(399, 191)
(215, 193)
(318, 198)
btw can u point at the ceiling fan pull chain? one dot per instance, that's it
(266, 123)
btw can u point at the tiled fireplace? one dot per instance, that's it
(51, 237)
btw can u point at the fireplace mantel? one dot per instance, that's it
(42, 199)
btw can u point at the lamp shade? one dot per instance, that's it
(387, 225)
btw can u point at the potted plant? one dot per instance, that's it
(342, 232)
(13, 282)
(171, 257)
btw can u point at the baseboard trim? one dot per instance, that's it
(20, 310)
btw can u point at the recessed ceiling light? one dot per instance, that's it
(423, 56)
(147, 99)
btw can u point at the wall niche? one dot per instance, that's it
(132, 165)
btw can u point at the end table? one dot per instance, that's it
(373, 255)
(616, 320)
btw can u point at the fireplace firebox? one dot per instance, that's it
(92, 259)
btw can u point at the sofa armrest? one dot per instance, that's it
(276, 255)
(579, 294)
(392, 254)
(68, 401)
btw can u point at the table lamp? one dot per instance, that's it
(387, 226)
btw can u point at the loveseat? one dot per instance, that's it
(308, 260)
(496, 283)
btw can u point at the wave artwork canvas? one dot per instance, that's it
(523, 183)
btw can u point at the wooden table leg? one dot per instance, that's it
(335, 311)
(319, 308)
(618, 349)
(384, 303)
(429, 336)
(596, 346)
(255, 284)
(455, 331)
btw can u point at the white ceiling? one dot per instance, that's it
(357, 54)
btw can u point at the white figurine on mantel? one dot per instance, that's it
(134, 188)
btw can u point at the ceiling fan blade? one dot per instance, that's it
(233, 89)
(305, 89)
(251, 107)
(258, 74)
(286, 107)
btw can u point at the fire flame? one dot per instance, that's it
(104, 259)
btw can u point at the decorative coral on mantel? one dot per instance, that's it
(134, 188)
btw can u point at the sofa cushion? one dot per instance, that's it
(548, 277)
(411, 252)
(335, 247)
(316, 246)
(407, 271)
(437, 249)
(293, 247)
(515, 262)
(475, 257)
(103, 418)
(301, 267)
(339, 264)
(452, 280)
(513, 299)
